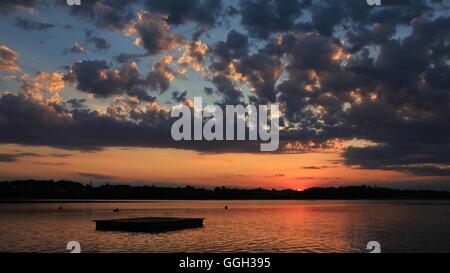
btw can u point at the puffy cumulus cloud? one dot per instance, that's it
(153, 33)
(193, 55)
(44, 87)
(340, 70)
(53, 82)
(121, 106)
(261, 71)
(98, 78)
(235, 46)
(225, 88)
(109, 14)
(159, 79)
(8, 59)
(26, 121)
(203, 12)
(265, 17)
(327, 15)
(311, 51)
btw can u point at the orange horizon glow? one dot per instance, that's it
(182, 167)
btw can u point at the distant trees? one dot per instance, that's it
(49, 189)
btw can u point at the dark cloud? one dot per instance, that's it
(234, 47)
(99, 43)
(179, 97)
(127, 57)
(109, 14)
(265, 17)
(28, 122)
(204, 12)
(7, 6)
(98, 78)
(28, 24)
(423, 160)
(339, 70)
(153, 33)
(77, 103)
(227, 90)
(262, 71)
(96, 176)
(159, 79)
(315, 167)
(13, 157)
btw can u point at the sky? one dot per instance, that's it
(364, 91)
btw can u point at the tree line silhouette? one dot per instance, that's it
(49, 189)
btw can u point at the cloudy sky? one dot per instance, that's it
(364, 91)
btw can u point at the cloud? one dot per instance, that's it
(29, 122)
(77, 48)
(96, 176)
(98, 78)
(265, 17)
(193, 55)
(28, 24)
(8, 157)
(14, 157)
(7, 6)
(77, 103)
(98, 42)
(159, 79)
(153, 33)
(8, 59)
(275, 175)
(128, 57)
(316, 167)
(203, 12)
(108, 14)
(422, 160)
(234, 47)
(44, 87)
(179, 97)
(56, 164)
(340, 70)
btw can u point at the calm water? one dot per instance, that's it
(249, 226)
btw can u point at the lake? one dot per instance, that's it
(247, 226)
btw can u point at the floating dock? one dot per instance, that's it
(148, 224)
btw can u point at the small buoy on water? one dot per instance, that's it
(116, 210)
(60, 208)
(226, 207)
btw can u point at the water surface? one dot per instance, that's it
(247, 226)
